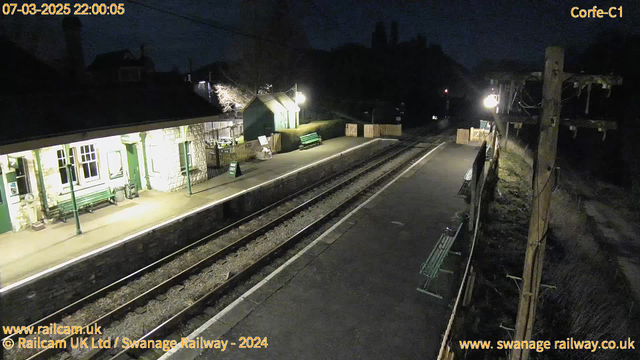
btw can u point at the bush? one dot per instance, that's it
(327, 129)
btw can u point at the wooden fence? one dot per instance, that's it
(462, 136)
(242, 152)
(351, 130)
(481, 196)
(371, 130)
(377, 130)
(390, 130)
(479, 135)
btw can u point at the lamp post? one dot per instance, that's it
(185, 147)
(299, 99)
(446, 97)
(73, 195)
(143, 137)
(491, 101)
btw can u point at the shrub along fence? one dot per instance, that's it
(482, 184)
(327, 129)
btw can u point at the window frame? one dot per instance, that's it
(74, 169)
(22, 173)
(181, 149)
(86, 159)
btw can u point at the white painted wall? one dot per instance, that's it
(162, 151)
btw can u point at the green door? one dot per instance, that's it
(5, 220)
(134, 168)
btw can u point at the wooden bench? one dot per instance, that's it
(310, 140)
(85, 202)
(433, 266)
(465, 190)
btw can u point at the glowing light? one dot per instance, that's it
(491, 101)
(446, 91)
(300, 98)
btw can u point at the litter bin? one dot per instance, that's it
(119, 192)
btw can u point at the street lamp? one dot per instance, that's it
(299, 99)
(491, 101)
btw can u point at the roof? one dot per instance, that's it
(277, 102)
(114, 60)
(38, 116)
(21, 72)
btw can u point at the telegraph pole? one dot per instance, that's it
(542, 183)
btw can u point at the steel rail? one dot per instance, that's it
(167, 284)
(76, 305)
(250, 270)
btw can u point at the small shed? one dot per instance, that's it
(269, 113)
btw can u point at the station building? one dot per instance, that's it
(113, 137)
(269, 113)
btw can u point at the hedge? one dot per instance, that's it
(327, 129)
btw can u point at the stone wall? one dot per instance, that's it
(35, 299)
(164, 157)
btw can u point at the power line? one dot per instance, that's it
(210, 23)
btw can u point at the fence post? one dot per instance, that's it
(217, 152)
(476, 177)
(472, 187)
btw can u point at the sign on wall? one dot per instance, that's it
(13, 189)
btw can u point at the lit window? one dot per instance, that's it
(181, 150)
(89, 162)
(114, 162)
(62, 167)
(22, 176)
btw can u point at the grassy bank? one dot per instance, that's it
(590, 301)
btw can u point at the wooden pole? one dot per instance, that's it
(473, 188)
(506, 137)
(542, 184)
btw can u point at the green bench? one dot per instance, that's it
(433, 266)
(84, 202)
(465, 189)
(310, 140)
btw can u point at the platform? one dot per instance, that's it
(351, 294)
(29, 252)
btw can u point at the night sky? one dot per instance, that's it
(468, 31)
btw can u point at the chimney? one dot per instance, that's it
(72, 26)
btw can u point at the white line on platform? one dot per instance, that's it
(175, 219)
(229, 307)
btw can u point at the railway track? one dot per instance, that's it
(231, 257)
